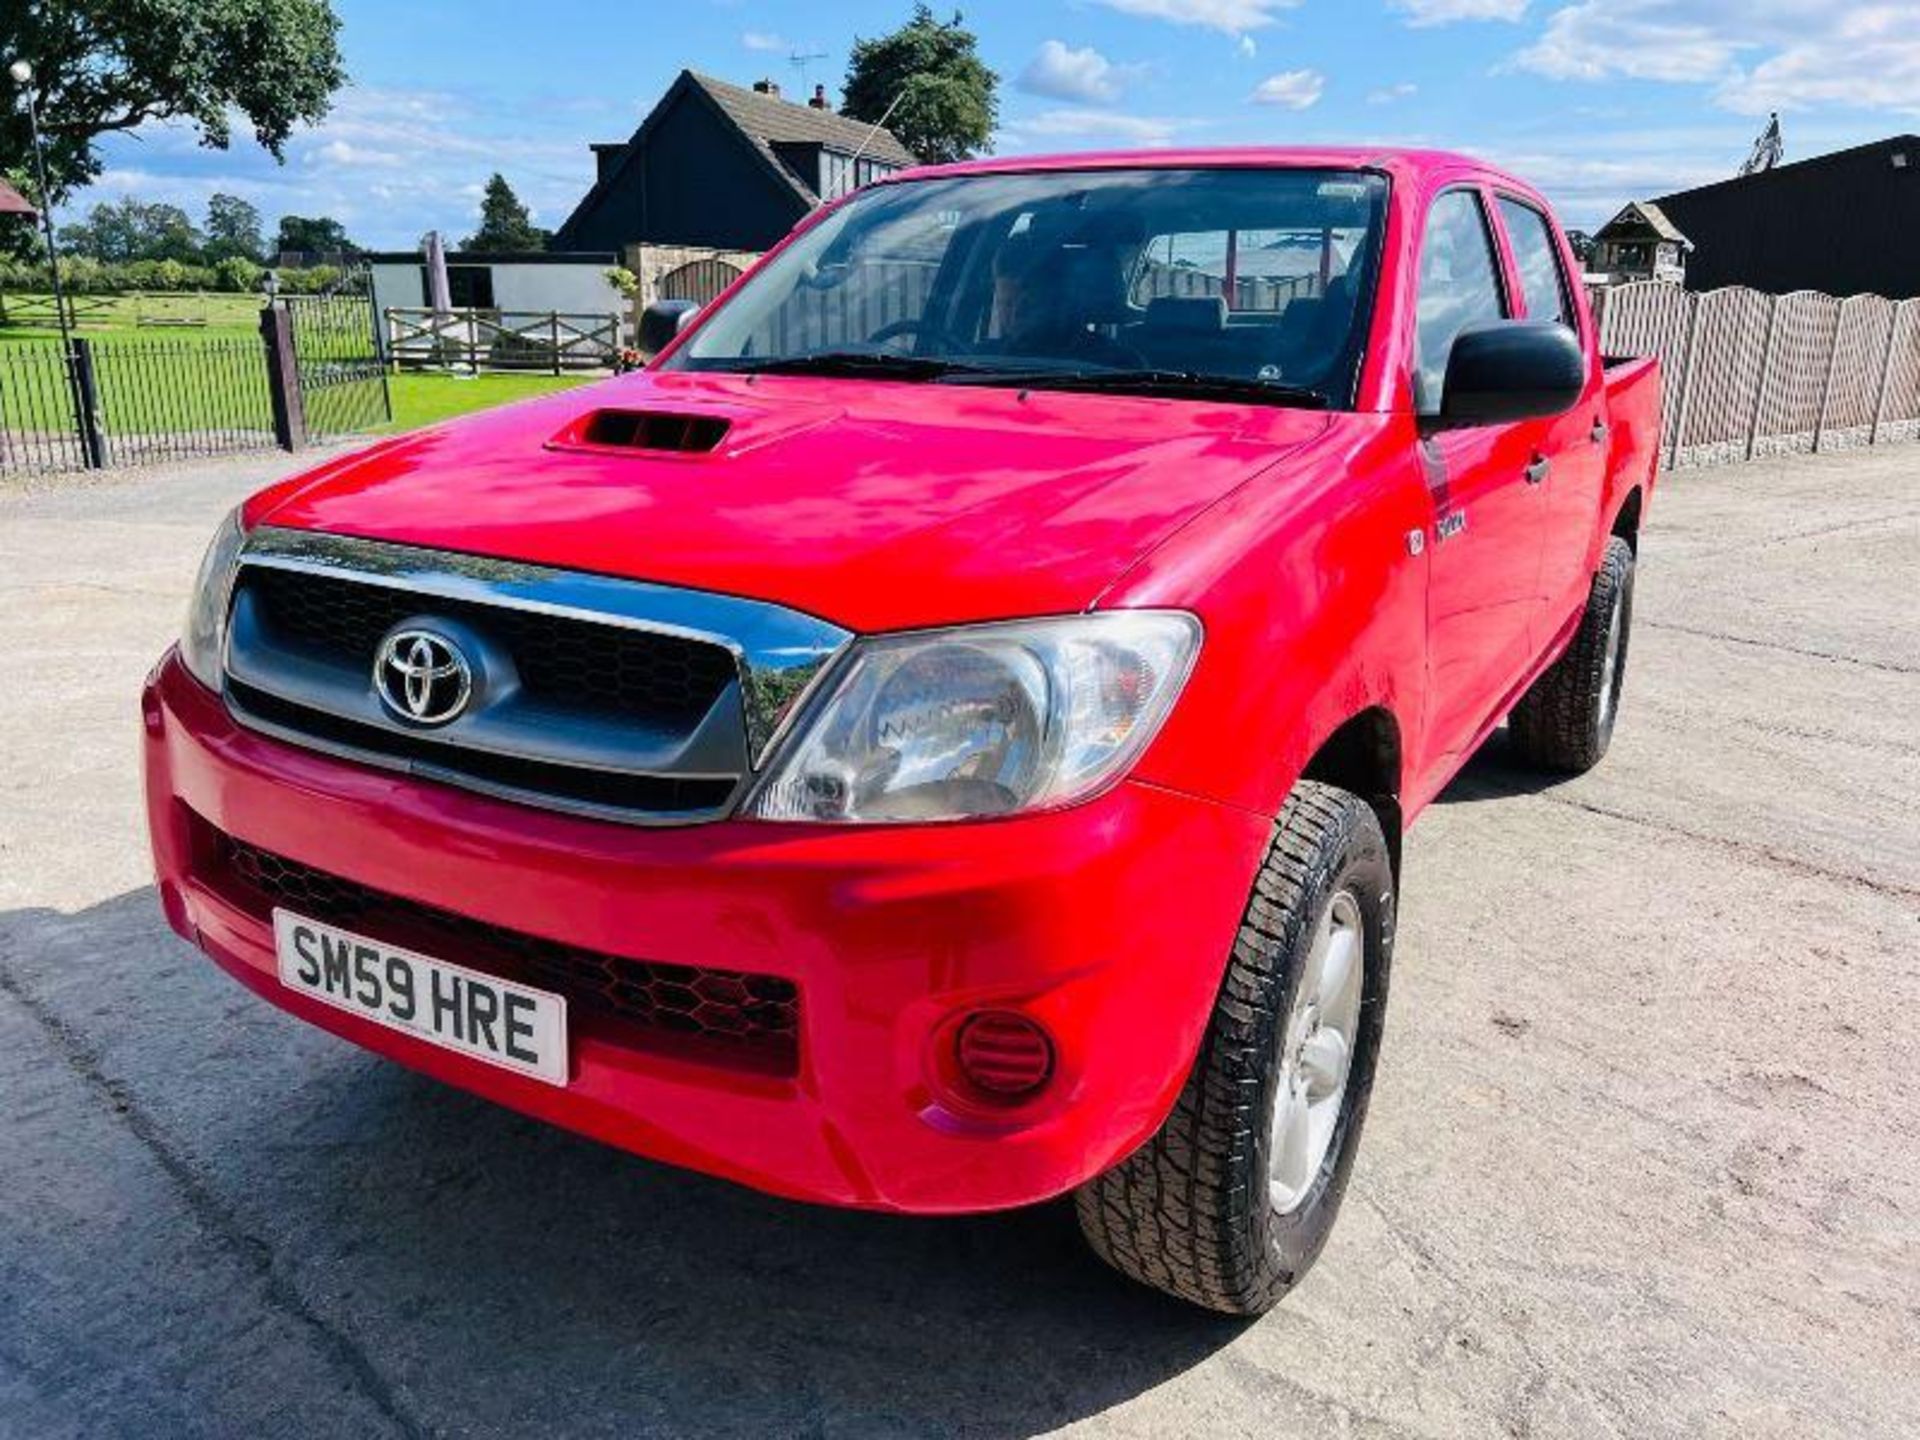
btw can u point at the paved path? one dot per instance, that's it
(1644, 1156)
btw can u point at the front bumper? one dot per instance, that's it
(1110, 923)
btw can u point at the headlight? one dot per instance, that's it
(982, 720)
(205, 634)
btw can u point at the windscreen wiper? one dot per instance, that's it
(858, 363)
(1184, 384)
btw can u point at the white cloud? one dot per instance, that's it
(1759, 56)
(1634, 39)
(1234, 17)
(388, 164)
(764, 40)
(1870, 58)
(1084, 126)
(1447, 12)
(345, 153)
(1085, 75)
(1246, 47)
(1387, 94)
(1293, 89)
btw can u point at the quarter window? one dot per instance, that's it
(1459, 286)
(1542, 283)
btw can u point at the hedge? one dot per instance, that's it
(85, 276)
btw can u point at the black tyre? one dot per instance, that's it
(1564, 722)
(1229, 1203)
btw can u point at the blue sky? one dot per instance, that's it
(1597, 101)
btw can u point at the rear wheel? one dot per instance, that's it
(1229, 1203)
(1565, 721)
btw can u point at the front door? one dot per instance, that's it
(1488, 508)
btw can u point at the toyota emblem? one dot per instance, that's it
(422, 677)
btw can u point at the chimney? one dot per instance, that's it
(767, 87)
(819, 100)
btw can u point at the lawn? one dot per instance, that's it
(176, 384)
(149, 316)
(422, 399)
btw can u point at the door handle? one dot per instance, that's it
(1537, 471)
(1598, 435)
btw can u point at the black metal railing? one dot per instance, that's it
(177, 399)
(38, 431)
(313, 373)
(343, 380)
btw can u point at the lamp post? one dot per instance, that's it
(90, 440)
(22, 74)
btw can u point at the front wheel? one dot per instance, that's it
(1227, 1206)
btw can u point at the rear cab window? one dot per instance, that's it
(1536, 253)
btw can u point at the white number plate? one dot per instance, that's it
(490, 1019)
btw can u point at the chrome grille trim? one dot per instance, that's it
(778, 655)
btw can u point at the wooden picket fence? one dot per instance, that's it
(1747, 374)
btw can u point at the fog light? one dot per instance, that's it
(1004, 1055)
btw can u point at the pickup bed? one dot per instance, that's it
(940, 737)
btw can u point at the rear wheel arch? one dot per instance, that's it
(1626, 520)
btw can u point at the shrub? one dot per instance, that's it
(237, 274)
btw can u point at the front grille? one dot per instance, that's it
(611, 669)
(666, 795)
(724, 1016)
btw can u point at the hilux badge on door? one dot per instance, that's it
(422, 677)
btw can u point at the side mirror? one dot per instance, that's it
(1512, 370)
(662, 320)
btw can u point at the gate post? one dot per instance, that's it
(1886, 372)
(1766, 375)
(283, 378)
(1826, 386)
(1696, 303)
(86, 401)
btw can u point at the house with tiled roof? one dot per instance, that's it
(727, 167)
(12, 202)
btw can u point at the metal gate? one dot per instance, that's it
(698, 280)
(343, 381)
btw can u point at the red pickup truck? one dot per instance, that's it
(940, 737)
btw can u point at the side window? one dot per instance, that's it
(1542, 284)
(1459, 286)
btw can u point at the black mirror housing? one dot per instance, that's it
(661, 321)
(1512, 370)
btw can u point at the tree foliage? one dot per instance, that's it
(117, 231)
(948, 97)
(102, 66)
(505, 222)
(233, 229)
(317, 235)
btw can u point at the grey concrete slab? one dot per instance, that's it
(1644, 1155)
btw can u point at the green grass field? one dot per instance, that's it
(144, 315)
(173, 384)
(423, 399)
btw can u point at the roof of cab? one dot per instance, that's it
(1399, 163)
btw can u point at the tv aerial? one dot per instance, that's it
(800, 60)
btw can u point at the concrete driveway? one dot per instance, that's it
(1644, 1155)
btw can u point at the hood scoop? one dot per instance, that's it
(653, 430)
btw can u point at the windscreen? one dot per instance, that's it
(1257, 278)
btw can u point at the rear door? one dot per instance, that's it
(1487, 514)
(1574, 445)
